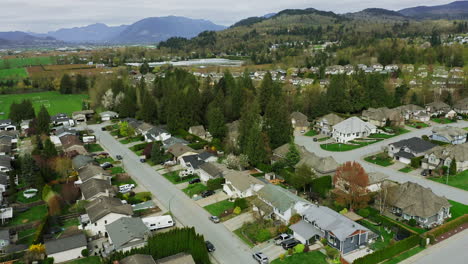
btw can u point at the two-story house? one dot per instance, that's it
(351, 129)
(92, 171)
(126, 233)
(95, 188)
(103, 211)
(7, 125)
(324, 125)
(437, 108)
(449, 134)
(382, 116)
(406, 149)
(444, 155)
(299, 122)
(240, 184)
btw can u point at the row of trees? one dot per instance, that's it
(69, 86)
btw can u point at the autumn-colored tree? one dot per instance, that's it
(54, 205)
(70, 192)
(62, 165)
(351, 181)
(294, 219)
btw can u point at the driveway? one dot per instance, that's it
(269, 248)
(217, 197)
(229, 248)
(237, 222)
(358, 154)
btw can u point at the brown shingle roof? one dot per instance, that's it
(103, 206)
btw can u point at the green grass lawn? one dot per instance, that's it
(323, 139)
(338, 147)
(403, 256)
(53, 101)
(130, 140)
(195, 188)
(443, 120)
(71, 222)
(218, 208)
(418, 125)
(238, 233)
(88, 260)
(380, 135)
(117, 182)
(117, 170)
(33, 214)
(458, 181)
(20, 198)
(315, 257)
(457, 209)
(93, 147)
(311, 133)
(24, 62)
(103, 160)
(26, 236)
(173, 177)
(406, 169)
(384, 162)
(380, 230)
(15, 73)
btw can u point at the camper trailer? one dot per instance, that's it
(158, 222)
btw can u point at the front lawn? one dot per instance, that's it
(122, 179)
(174, 177)
(443, 120)
(93, 147)
(458, 181)
(418, 125)
(406, 169)
(88, 260)
(380, 159)
(104, 160)
(195, 188)
(311, 133)
(353, 144)
(315, 257)
(33, 214)
(130, 140)
(381, 135)
(117, 170)
(238, 233)
(457, 209)
(403, 256)
(219, 208)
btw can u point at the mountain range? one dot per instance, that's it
(157, 29)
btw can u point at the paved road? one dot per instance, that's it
(358, 154)
(229, 249)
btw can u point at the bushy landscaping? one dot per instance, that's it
(381, 231)
(417, 125)
(131, 139)
(443, 120)
(259, 231)
(458, 181)
(122, 179)
(315, 257)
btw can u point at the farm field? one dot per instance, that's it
(15, 73)
(58, 70)
(24, 62)
(53, 101)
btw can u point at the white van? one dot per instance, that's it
(126, 188)
(158, 222)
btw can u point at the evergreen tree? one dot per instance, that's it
(414, 99)
(293, 156)
(265, 92)
(157, 154)
(49, 149)
(42, 121)
(66, 84)
(277, 122)
(81, 83)
(148, 110)
(216, 123)
(144, 68)
(453, 167)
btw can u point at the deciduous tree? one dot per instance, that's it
(351, 181)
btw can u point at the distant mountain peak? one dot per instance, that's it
(454, 10)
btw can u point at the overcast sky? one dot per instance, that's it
(44, 15)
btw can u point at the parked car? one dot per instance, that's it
(214, 219)
(126, 188)
(142, 160)
(119, 157)
(107, 165)
(282, 238)
(315, 139)
(290, 243)
(207, 193)
(425, 172)
(260, 258)
(209, 246)
(194, 181)
(103, 128)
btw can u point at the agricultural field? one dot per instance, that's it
(25, 62)
(53, 101)
(15, 73)
(58, 70)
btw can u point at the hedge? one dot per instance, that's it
(448, 226)
(322, 185)
(41, 229)
(390, 251)
(140, 146)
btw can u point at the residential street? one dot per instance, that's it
(229, 248)
(358, 155)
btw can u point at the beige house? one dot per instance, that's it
(240, 184)
(299, 122)
(319, 165)
(379, 116)
(444, 155)
(324, 125)
(200, 132)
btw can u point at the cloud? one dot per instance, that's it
(45, 15)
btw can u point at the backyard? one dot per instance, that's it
(33, 214)
(381, 232)
(53, 101)
(315, 257)
(219, 208)
(457, 209)
(458, 181)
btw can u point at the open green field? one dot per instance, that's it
(458, 181)
(24, 62)
(53, 101)
(15, 73)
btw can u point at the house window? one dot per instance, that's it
(105, 222)
(95, 224)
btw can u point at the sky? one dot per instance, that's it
(41, 16)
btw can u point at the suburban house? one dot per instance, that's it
(207, 156)
(7, 125)
(444, 155)
(180, 258)
(12, 135)
(406, 149)
(352, 128)
(324, 125)
(108, 115)
(200, 132)
(461, 106)
(92, 171)
(280, 152)
(80, 161)
(142, 127)
(66, 248)
(72, 144)
(208, 171)
(299, 122)
(103, 211)
(383, 116)
(5, 147)
(410, 111)
(62, 119)
(172, 141)
(240, 184)
(341, 232)
(5, 163)
(449, 134)
(63, 131)
(156, 134)
(127, 233)
(413, 201)
(376, 180)
(4, 183)
(180, 150)
(282, 204)
(82, 116)
(319, 165)
(437, 108)
(95, 188)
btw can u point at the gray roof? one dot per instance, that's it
(5, 234)
(174, 140)
(449, 132)
(242, 180)
(329, 220)
(376, 177)
(193, 161)
(81, 161)
(126, 229)
(458, 152)
(5, 148)
(279, 197)
(211, 169)
(409, 108)
(322, 165)
(65, 243)
(198, 131)
(415, 144)
(93, 187)
(381, 114)
(4, 178)
(103, 206)
(416, 200)
(300, 118)
(89, 171)
(438, 106)
(180, 258)
(354, 125)
(204, 155)
(138, 259)
(306, 230)
(404, 154)
(108, 113)
(5, 161)
(331, 119)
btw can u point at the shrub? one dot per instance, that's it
(412, 222)
(263, 235)
(85, 252)
(290, 251)
(324, 241)
(299, 248)
(332, 253)
(322, 185)
(215, 184)
(389, 251)
(448, 226)
(416, 162)
(282, 229)
(344, 211)
(282, 256)
(265, 167)
(237, 210)
(294, 219)
(364, 212)
(242, 203)
(306, 248)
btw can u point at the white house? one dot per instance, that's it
(108, 115)
(7, 125)
(62, 119)
(5, 163)
(103, 211)
(208, 171)
(241, 184)
(66, 248)
(352, 128)
(156, 134)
